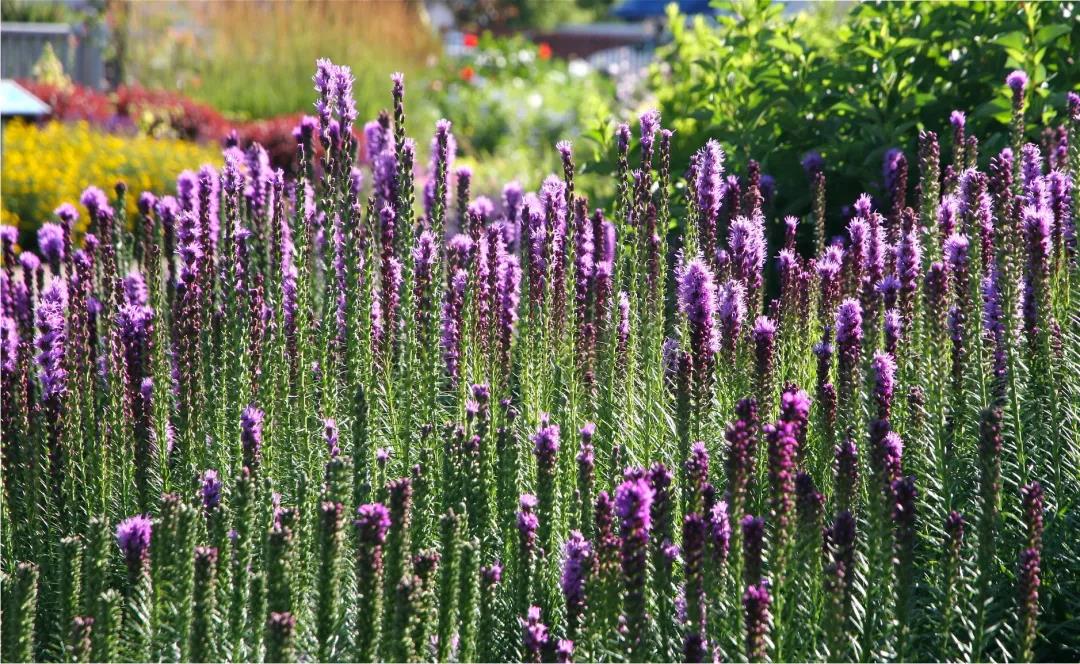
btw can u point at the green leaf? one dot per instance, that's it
(1013, 40)
(1049, 33)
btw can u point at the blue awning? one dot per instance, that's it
(638, 10)
(15, 100)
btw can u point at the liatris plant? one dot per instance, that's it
(245, 363)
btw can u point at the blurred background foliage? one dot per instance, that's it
(851, 86)
(51, 164)
(849, 80)
(255, 59)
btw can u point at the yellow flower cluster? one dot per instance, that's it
(44, 166)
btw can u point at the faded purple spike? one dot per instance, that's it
(812, 162)
(753, 534)
(251, 421)
(330, 434)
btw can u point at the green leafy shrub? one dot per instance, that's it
(773, 87)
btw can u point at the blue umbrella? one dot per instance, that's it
(638, 10)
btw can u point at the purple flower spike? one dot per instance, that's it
(546, 444)
(720, 529)
(753, 533)
(372, 522)
(709, 189)
(210, 490)
(51, 341)
(536, 635)
(883, 368)
(564, 651)
(50, 239)
(756, 603)
(1017, 82)
(67, 213)
(133, 536)
(30, 263)
(578, 553)
(633, 503)
(697, 300)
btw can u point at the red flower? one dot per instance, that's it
(471, 40)
(467, 73)
(544, 51)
